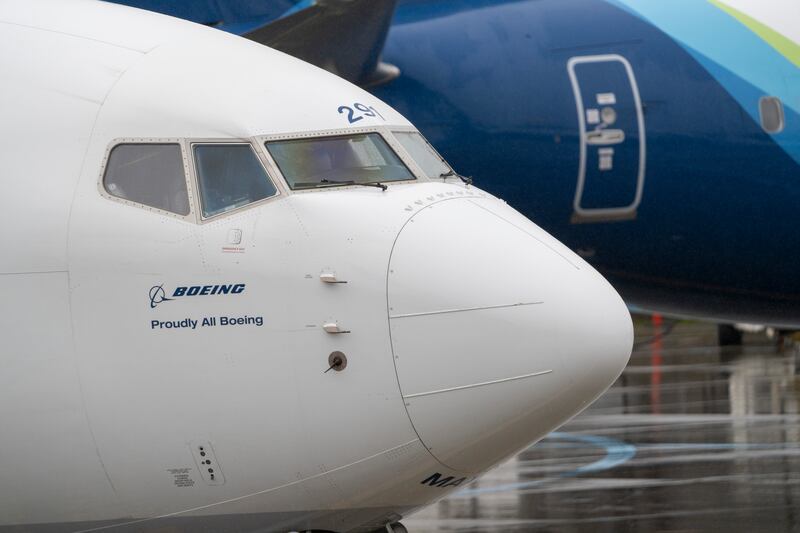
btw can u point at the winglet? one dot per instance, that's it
(345, 37)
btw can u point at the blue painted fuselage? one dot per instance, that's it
(629, 129)
(498, 88)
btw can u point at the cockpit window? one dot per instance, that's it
(343, 160)
(423, 153)
(149, 174)
(229, 176)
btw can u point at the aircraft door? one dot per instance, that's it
(612, 138)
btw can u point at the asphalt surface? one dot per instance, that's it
(691, 437)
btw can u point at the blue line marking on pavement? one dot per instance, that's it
(617, 453)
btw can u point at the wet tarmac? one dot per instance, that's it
(691, 437)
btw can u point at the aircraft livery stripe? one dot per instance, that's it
(788, 48)
(748, 69)
(702, 27)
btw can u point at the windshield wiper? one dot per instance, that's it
(452, 173)
(377, 184)
(325, 182)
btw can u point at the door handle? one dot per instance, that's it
(605, 137)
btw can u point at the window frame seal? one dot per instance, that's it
(384, 132)
(412, 129)
(191, 216)
(271, 172)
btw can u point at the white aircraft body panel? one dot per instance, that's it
(470, 332)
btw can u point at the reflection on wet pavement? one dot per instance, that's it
(691, 437)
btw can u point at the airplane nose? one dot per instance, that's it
(500, 333)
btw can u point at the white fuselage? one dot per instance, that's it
(139, 344)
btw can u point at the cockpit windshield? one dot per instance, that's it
(342, 160)
(423, 153)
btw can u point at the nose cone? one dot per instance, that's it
(500, 333)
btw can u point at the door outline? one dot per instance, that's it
(607, 213)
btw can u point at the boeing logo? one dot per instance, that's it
(159, 295)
